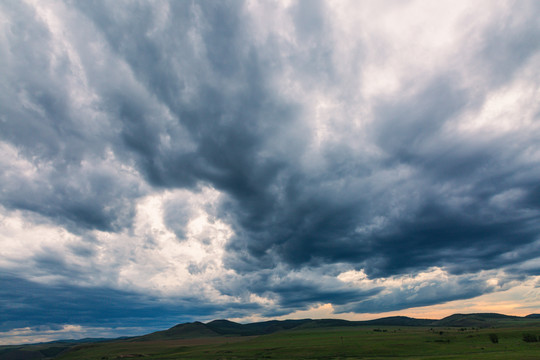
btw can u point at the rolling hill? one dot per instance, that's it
(229, 328)
(220, 331)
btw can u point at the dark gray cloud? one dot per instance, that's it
(420, 294)
(29, 304)
(74, 181)
(289, 291)
(105, 103)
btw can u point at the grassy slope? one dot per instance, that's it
(181, 331)
(314, 339)
(334, 343)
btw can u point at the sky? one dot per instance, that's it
(172, 161)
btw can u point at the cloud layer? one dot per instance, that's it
(233, 159)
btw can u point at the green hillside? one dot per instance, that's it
(454, 337)
(180, 331)
(357, 342)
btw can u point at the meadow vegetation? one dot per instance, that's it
(331, 343)
(499, 338)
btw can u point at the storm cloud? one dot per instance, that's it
(244, 159)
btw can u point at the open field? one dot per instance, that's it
(459, 336)
(331, 343)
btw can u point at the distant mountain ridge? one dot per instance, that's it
(229, 328)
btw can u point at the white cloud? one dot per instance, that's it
(509, 110)
(157, 260)
(146, 257)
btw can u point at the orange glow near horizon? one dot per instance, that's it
(521, 300)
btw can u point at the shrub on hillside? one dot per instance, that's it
(530, 338)
(494, 338)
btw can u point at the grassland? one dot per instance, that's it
(386, 342)
(459, 336)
